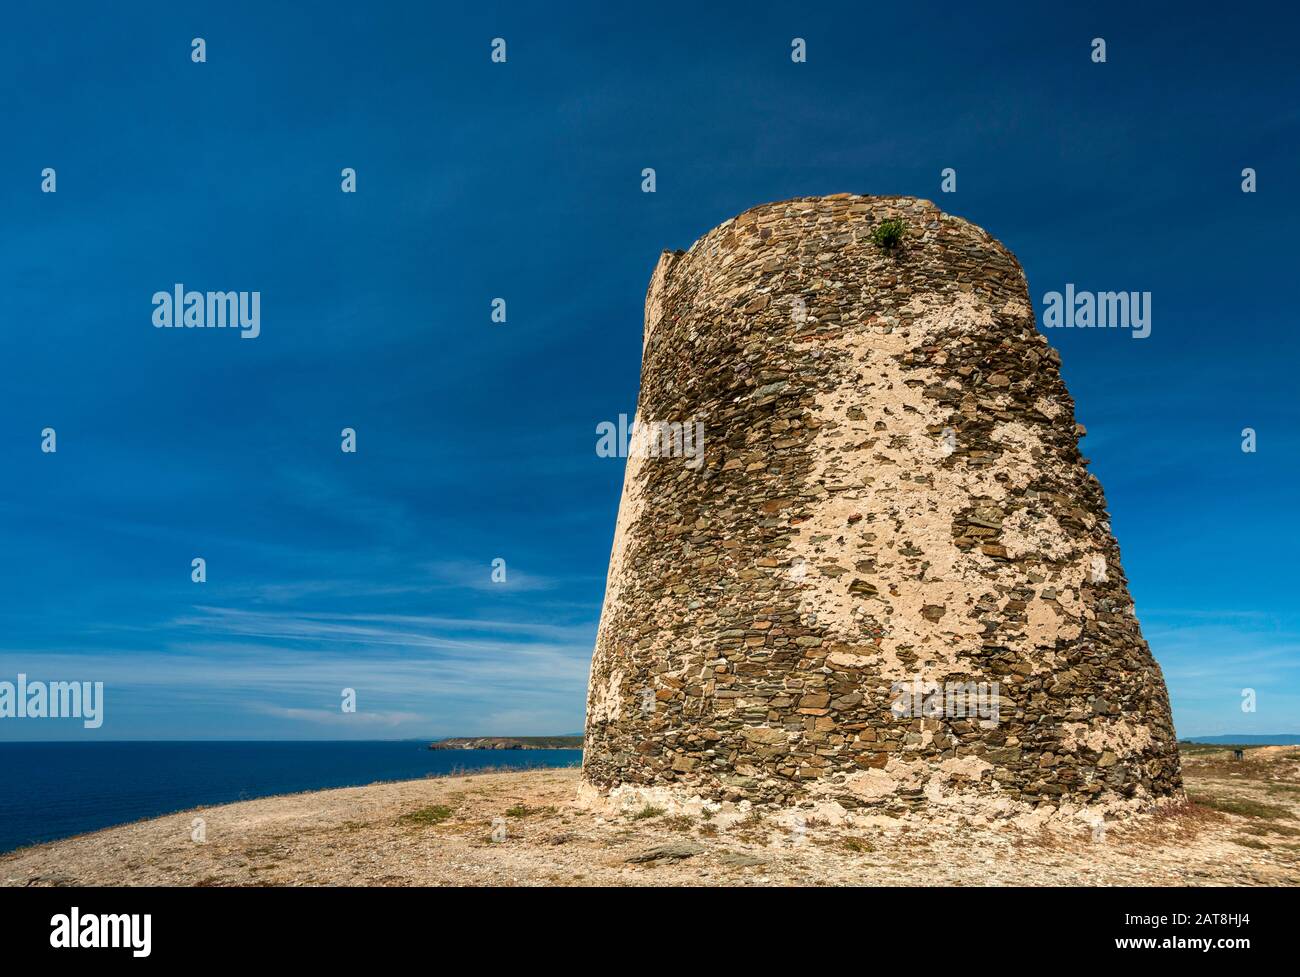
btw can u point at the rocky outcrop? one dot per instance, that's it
(892, 502)
(508, 743)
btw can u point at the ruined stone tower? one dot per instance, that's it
(892, 503)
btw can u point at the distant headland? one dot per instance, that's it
(508, 743)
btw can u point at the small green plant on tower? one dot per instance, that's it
(888, 234)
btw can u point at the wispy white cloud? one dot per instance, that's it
(339, 718)
(478, 576)
(413, 675)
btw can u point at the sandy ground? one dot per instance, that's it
(1242, 828)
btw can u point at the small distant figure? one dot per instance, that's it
(1238, 754)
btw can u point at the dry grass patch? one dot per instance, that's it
(1241, 806)
(524, 811)
(1250, 842)
(425, 816)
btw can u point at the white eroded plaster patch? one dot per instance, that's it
(605, 700)
(868, 505)
(1119, 736)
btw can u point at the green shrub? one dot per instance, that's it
(889, 234)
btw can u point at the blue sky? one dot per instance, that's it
(522, 180)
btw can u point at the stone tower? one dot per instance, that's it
(892, 581)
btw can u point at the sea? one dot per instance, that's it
(56, 790)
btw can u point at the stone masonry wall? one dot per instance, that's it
(892, 491)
